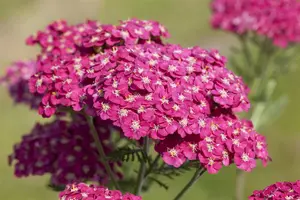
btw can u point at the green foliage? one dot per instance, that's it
(160, 183)
(172, 172)
(286, 60)
(55, 188)
(272, 111)
(127, 184)
(127, 154)
(168, 172)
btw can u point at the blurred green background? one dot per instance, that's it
(188, 23)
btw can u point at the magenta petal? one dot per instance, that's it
(171, 128)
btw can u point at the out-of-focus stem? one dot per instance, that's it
(241, 175)
(152, 165)
(142, 170)
(102, 156)
(246, 50)
(240, 184)
(199, 172)
(259, 86)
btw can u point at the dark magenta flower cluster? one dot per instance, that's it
(64, 149)
(277, 20)
(183, 98)
(83, 191)
(16, 79)
(278, 191)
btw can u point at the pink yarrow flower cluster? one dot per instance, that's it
(222, 141)
(278, 191)
(83, 191)
(16, 80)
(151, 89)
(70, 57)
(64, 149)
(277, 20)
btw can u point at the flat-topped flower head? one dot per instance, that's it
(126, 75)
(83, 191)
(64, 150)
(277, 20)
(214, 149)
(278, 191)
(72, 56)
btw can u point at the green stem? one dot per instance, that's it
(245, 49)
(102, 156)
(259, 65)
(153, 164)
(142, 170)
(241, 175)
(199, 172)
(240, 184)
(257, 113)
(150, 169)
(258, 89)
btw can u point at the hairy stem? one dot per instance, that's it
(102, 156)
(142, 170)
(199, 172)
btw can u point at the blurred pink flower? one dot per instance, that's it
(278, 191)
